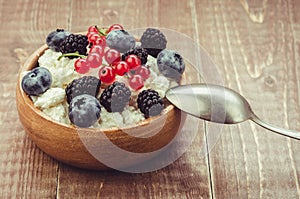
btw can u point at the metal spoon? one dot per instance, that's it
(218, 104)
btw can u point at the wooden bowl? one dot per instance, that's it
(68, 143)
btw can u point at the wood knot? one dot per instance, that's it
(110, 13)
(269, 81)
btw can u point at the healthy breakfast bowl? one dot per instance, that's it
(84, 140)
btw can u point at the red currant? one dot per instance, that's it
(136, 82)
(92, 29)
(94, 60)
(133, 62)
(97, 49)
(115, 27)
(112, 56)
(121, 68)
(143, 71)
(81, 66)
(100, 41)
(107, 75)
(92, 37)
(89, 34)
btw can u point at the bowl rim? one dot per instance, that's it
(31, 62)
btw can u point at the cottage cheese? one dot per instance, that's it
(50, 98)
(58, 113)
(62, 71)
(53, 101)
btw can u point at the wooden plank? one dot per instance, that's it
(188, 177)
(25, 171)
(254, 45)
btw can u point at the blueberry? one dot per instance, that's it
(120, 40)
(170, 63)
(84, 110)
(55, 38)
(37, 81)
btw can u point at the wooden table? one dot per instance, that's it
(256, 46)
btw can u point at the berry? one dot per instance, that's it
(97, 49)
(54, 39)
(107, 74)
(133, 62)
(37, 81)
(170, 64)
(100, 41)
(89, 34)
(115, 97)
(92, 29)
(112, 56)
(81, 66)
(136, 82)
(143, 71)
(84, 110)
(150, 103)
(74, 43)
(94, 60)
(154, 41)
(114, 27)
(121, 68)
(140, 52)
(92, 37)
(120, 40)
(85, 85)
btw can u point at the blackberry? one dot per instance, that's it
(150, 103)
(55, 38)
(85, 85)
(170, 63)
(74, 43)
(120, 40)
(140, 52)
(115, 97)
(37, 81)
(84, 110)
(154, 41)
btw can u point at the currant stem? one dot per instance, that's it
(76, 54)
(101, 31)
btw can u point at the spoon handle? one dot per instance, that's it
(281, 131)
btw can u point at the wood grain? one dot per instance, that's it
(256, 45)
(23, 167)
(253, 45)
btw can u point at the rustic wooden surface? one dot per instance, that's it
(256, 45)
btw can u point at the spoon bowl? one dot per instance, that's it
(218, 104)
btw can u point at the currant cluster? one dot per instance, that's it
(130, 67)
(97, 40)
